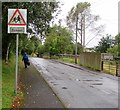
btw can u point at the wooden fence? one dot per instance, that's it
(93, 60)
(112, 67)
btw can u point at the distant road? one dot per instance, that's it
(79, 88)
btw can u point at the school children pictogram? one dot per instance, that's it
(17, 19)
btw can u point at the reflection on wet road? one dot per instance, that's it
(78, 88)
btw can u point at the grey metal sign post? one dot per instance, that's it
(16, 75)
(17, 21)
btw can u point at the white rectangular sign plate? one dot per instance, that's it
(17, 20)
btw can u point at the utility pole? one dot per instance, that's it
(76, 40)
(84, 32)
(81, 30)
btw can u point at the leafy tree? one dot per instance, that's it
(117, 39)
(113, 50)
(27, 46)
(57, 45)
(36, 42)
(79, 48)
(104, 44)
(39, 15)
(30, 47)
(58, 40)
(118, 43)
(41, 50)
(70, 49)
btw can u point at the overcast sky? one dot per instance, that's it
(106, 9)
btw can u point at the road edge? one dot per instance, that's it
(55, 92)
(88, 70)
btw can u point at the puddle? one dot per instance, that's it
(55, 84)
(97, 84)
(90, 80)
(52, 82)
(92, 86)
(64, 87)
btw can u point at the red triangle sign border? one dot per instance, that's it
(17, 10)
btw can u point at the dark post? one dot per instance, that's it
(102, 65)
(116, 68)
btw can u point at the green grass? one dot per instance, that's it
(54, 57)
(46, 57)
(68, 60)
(8, 82)
(0, 84)
(92, 67)
(72, 60)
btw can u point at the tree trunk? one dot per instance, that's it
(7, 54)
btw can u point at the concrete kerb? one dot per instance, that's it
(78, 67)
(68, 64)
(54, 91)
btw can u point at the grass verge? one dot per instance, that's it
(8, 82)
(68, 60)
(111, 70)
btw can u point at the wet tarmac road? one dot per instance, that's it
(79, 88)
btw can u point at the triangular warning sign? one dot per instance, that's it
(17, 19)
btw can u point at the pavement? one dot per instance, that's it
(38, 94)
(79, 87)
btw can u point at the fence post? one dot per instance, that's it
(116, 68)
(102, 65)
